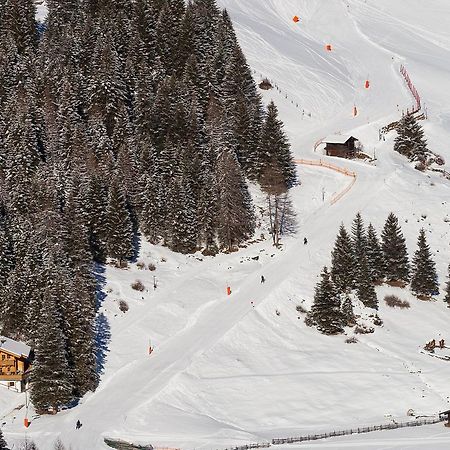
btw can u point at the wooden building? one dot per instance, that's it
(342, 146)
(14, 364)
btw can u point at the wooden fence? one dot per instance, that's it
(344, 171)
(388, 426)
(418, 103)
(315, 437)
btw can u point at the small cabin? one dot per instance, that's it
(342, 146)
(14, 364)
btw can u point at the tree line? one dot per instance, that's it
(359, 262)
(118, 118)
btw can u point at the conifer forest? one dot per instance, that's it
(118, 119)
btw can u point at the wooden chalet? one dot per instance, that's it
(14, 364)
(342, 146)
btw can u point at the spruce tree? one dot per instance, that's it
(3, 444)
(343, 262)
(359, 238)
(51, 383)
(394, 251)
(410, 141)
(347, 311)
(424, 280)
(119, 240)
(274, 147)
(364, 286)
(325, 312)
(236, 218)
(374, 255)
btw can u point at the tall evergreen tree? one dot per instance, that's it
(51, 383)
(347, 311)
(424, 280)
(325, 312)
(120, 231)
(343, 262)
(410, 141)
(395, 251)
(3, 444)
(364, 286)
(359, 238)
(374, 255)
(274, 148)
(19, 20)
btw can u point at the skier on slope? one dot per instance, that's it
(305, 241)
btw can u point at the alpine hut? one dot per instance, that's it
(14, 364)
(340, 145)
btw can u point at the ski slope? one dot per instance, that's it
(226, 371)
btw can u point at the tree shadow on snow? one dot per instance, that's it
(102, 339)
(102, 327)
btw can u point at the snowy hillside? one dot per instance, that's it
(229, 370)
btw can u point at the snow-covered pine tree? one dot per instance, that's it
(364, 286)
(410, 141)
(347, 311)
(3, 444)
(51, 380)
(106, 86)
(183, 228)
(359, 238)
(326, 310)
(96, 210)
(119, 239)
(343, 262)
(6, 255)
(235, 221)
(374, 255)
(168, 33)
(274, 147)
(208, 209)
(395, 251)
(19, 21)
(18, 293)
(424, 280)
(447, 289)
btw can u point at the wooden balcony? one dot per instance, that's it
(7, 362)
(14, 377)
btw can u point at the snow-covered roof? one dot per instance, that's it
(338, 138)
(14, 347)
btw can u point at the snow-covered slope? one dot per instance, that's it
(228, 371)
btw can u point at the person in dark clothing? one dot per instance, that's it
(262, 279)
(78, 425)
(305, 241)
